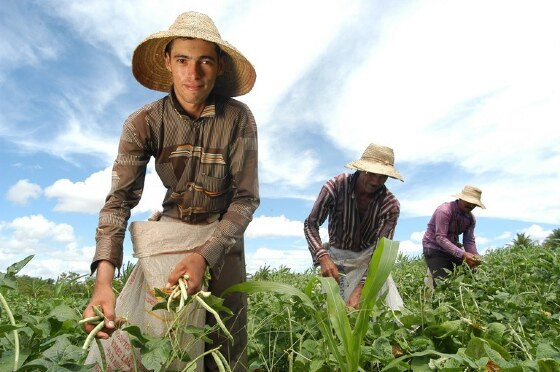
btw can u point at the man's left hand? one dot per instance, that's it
(354, 299)
(194, 265)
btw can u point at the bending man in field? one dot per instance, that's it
(442, 249)
(205, 148)
(361, 210)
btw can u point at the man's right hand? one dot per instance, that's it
(473, 260)
(103, 295)
(328, 268)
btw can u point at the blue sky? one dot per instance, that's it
(465, 93)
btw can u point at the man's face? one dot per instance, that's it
(194, 66)
(371, 182)
(465, 206)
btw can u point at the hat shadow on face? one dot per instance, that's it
(148, 59)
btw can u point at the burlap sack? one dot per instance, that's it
(353, 266)
(159, 246)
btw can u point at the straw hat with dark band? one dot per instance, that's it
(377, 159)
(472, 195)
(148, 60)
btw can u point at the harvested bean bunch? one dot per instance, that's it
(99, 321)
(178, 292)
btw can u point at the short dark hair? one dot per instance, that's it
(169, 46)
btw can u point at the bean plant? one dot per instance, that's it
(504, 316)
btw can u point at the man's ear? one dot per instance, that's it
(221, 66)
(168, 62)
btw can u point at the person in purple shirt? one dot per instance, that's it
(442, 249)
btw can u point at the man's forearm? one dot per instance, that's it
(105, 273)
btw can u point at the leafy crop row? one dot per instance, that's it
(505, 316)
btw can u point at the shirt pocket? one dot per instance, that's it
(213, 193)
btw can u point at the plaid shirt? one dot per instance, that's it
(346, 231)
(444, 228)
(208, 165)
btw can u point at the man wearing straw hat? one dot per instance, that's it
(442, 249)
(361, 210)
(205, 148)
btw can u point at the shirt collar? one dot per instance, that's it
(208, 111)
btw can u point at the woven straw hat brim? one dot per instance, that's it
(470, 199)
(374, 167)
(148, 64)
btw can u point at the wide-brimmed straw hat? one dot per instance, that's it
(472, 195)
(148, 59)
(377, 159)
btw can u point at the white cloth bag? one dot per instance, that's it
(159, 246)
(354, 265)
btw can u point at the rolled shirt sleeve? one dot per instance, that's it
(323, 206)
(128, 174)
(468, 238)
(442, 221)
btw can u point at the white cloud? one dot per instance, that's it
(297, 260)
(417, 236)
(410, 248)
(465, 96)
(280, 226)
(504, 235)
(83, 196)
(54, 246)
(22, 191)
(536, 232)
(88, 196)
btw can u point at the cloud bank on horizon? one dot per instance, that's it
(462, 95)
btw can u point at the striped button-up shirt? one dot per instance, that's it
(208, 165)
(346, 230)
(444, 228)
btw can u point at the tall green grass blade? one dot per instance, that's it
(380, 266)
(268, 286)
(336, 310)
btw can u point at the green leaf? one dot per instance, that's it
(548, 365)
(337, 315)
(269, 286)
(475, 348)
(160, 306)
(495, 332)
(63, 313)
(8, 328)
(399, 361)
(63, 351)
(420, 364)
(500, 349)
(316, 365)
(382, 349)
(7, 359)
(16, 267)
(217, 303)
(547, 351)
(158, 351)
(7, 281)
(36, 365)
(136, 332)
(444, 329)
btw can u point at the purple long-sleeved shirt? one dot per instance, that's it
(444, 228)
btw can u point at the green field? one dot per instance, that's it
(505, 316)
